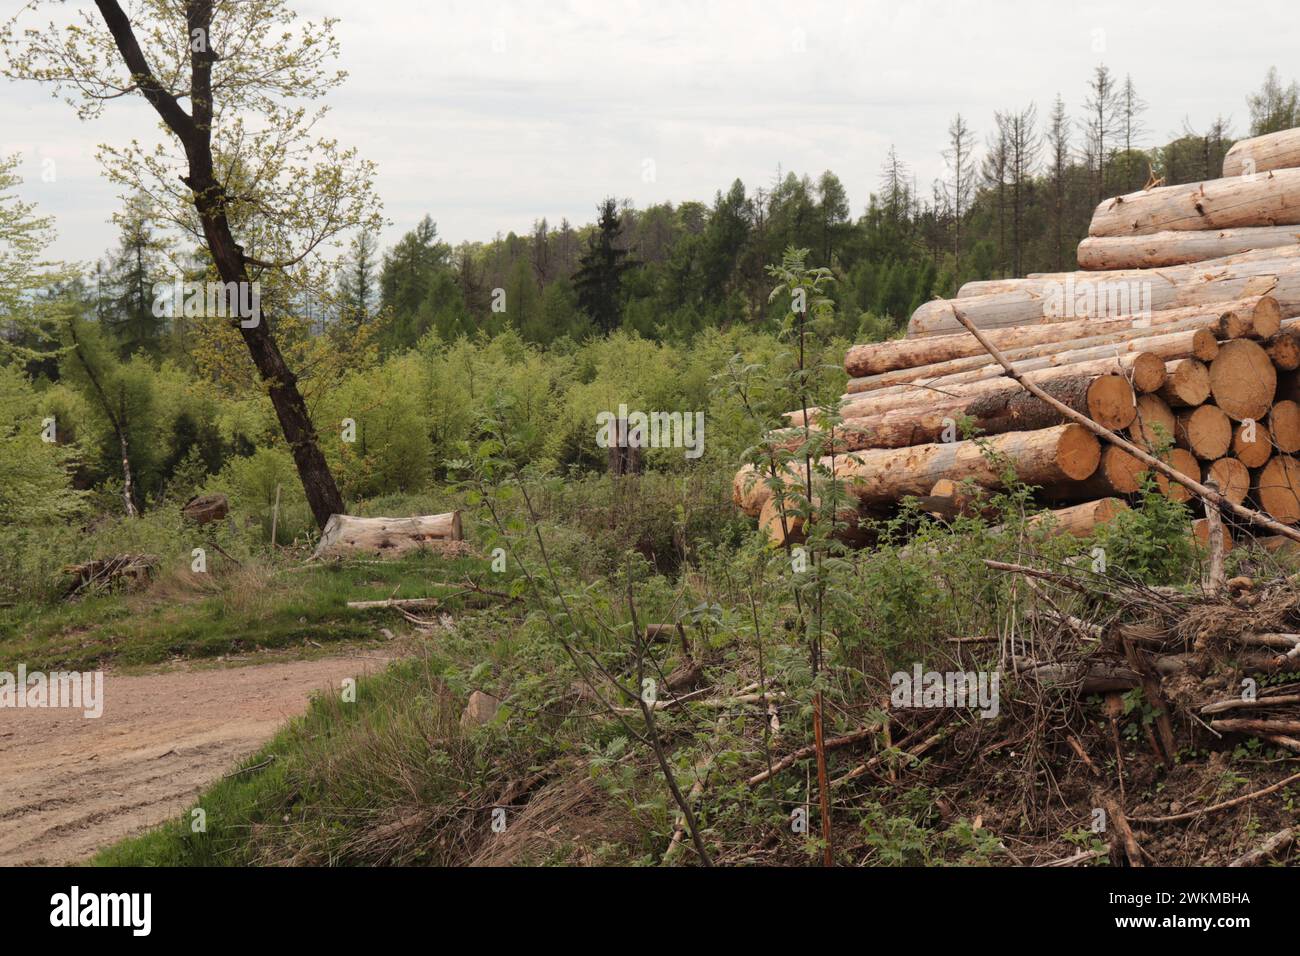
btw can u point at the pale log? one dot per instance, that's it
(1179, 247)
(1259, 154)
(1270, 199)
(1192, 342)
(348, 535)
(873, 358)
(1106, 399)
(1049, 457)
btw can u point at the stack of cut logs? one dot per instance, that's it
(1182, 332)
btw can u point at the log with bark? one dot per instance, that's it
(1252, 444)
(1143, 370)
(1259, 154)
(204, 509)
(1108, 399)
(1189, 340)
(1179, 247)
(1051, 457)
(877, 357)
(1269, 199)
(347, 536)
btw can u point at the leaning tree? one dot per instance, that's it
(239, 167)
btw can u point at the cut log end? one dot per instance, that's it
(1284, 426)
(1187, 383)
(1232, 477)
(1078, 452)
(1278, 488)
(1252, 444)
(1148, 372)
(1183, 461)
(1154, 424)
(1205, 431)
(1243, 380)
(1112, 403)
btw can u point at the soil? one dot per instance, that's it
(72, 786)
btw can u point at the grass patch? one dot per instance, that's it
(228, 612)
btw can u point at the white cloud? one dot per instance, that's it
(490, 115)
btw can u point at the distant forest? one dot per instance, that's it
(1014, 200)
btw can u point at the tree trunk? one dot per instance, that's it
(209, 197)
(1173, 248)
(1270, 199)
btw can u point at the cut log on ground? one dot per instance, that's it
(1270, 199)
(1205, 431)
(1259, 154)
(347, 535)
(1243, 380)
(206, 508)
(1176, 248)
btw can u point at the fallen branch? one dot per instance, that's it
(1141, 454)
(1268, 849)
(1236, 801)
(803, 753)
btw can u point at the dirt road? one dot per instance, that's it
(70, 785)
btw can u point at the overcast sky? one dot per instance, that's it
(489, 115)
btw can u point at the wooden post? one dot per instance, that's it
(624, 456)
(1217, 576)
(275, 515)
